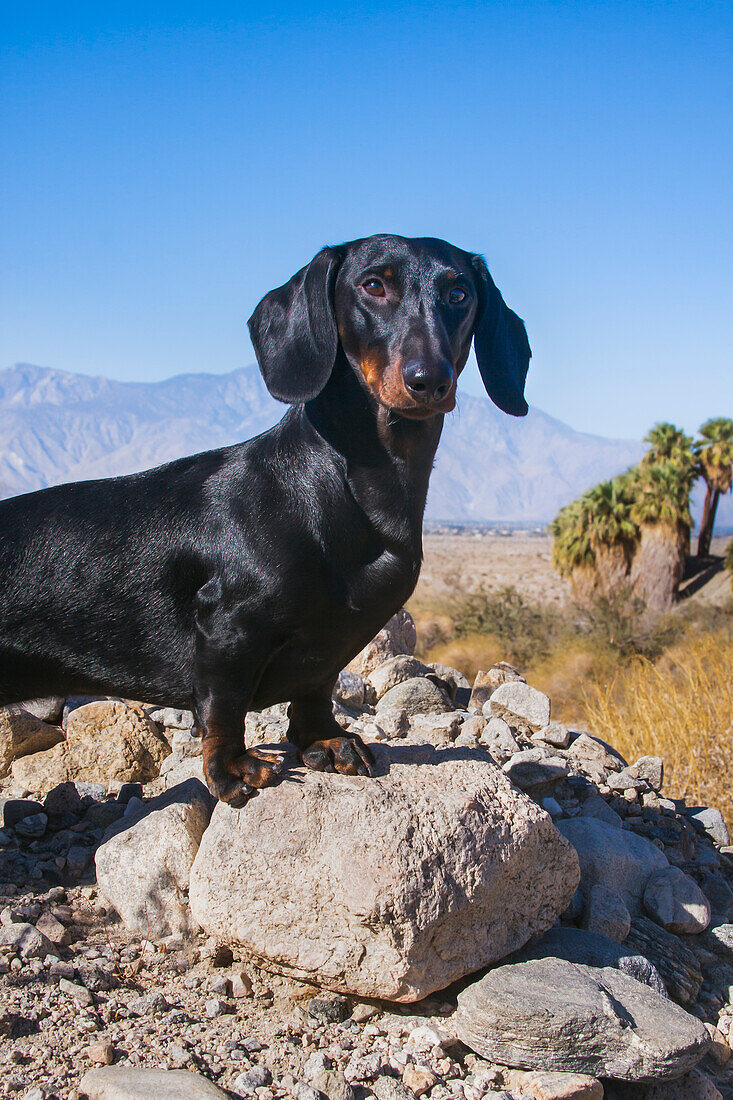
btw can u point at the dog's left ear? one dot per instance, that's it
(293, 330)
(501, 345)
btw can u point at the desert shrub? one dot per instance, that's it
(679, 707)
(729, 560)
(524, 632)
(618, 622)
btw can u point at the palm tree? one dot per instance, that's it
(572, 553)
(667, 442)
(714, 452)
(661, 508)
(613, 534)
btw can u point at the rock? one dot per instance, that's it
(487, 682)
(720, 940)
(15, 810)
(554, 734)
(625, 781)
(176, 771)
(529, 769)
(595, 806)
(710, 821)
(395, 671)
(719, 1049)
(436, 729)
(394, 722)
(101, 1052)
(22, 733)
(475, 725)
(105, 741)
(719, 894)
(619, 859)
(550, 1014)
(500, 740)
(651, 769)
(333, 1085)
(256, 1078)
(80, 994)
(143, 865)
(390, 1088)
(675, 901)
(53, 929)
(456, 679)
(391, 886)
(32, 827)
(171, 717)
(26, 940)
(94, 977)
(329, 1010)
(241, 985)
(678, 965)
(554, 1086)
(606, 913)
(415, 696)
(126, 1083)
(186, 743)
(349, 690)
(693, 1086)
(397, 636)
(419, 1079)
(591, 949)
(593, 754)
(522, 707)
(63, 799)
(148, 1004)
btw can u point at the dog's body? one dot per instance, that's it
(243, 577)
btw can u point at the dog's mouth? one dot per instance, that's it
(425, 411)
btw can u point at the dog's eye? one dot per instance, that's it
(456, 295)
(374, 287)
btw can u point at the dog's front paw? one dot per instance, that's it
(346, 755)
(235, 780)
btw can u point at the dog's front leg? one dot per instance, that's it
(232, 774)
(323, 744)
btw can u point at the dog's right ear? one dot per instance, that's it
(293, 330)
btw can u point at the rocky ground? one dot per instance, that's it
(565, 927)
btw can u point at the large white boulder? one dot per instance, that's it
(144, 861)
(392, 886)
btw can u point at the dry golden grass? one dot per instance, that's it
(680, 708)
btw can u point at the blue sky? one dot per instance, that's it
(163, 167)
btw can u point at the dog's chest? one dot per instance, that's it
(330, 625)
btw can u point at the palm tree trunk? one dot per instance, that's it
(612, 567)
(710, 507)
(584, 585)
(658, 565)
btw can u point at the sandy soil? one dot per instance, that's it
(459, 563)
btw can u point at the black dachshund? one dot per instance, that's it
(251, 575)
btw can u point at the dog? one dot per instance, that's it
(251, 575)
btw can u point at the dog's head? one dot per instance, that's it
(404, 312)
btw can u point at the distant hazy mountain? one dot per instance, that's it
(56, 426)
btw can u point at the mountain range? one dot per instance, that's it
(58, 426)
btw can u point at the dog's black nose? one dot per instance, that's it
(428, 382)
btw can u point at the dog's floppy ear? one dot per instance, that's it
(501, 345)
(293, 330)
